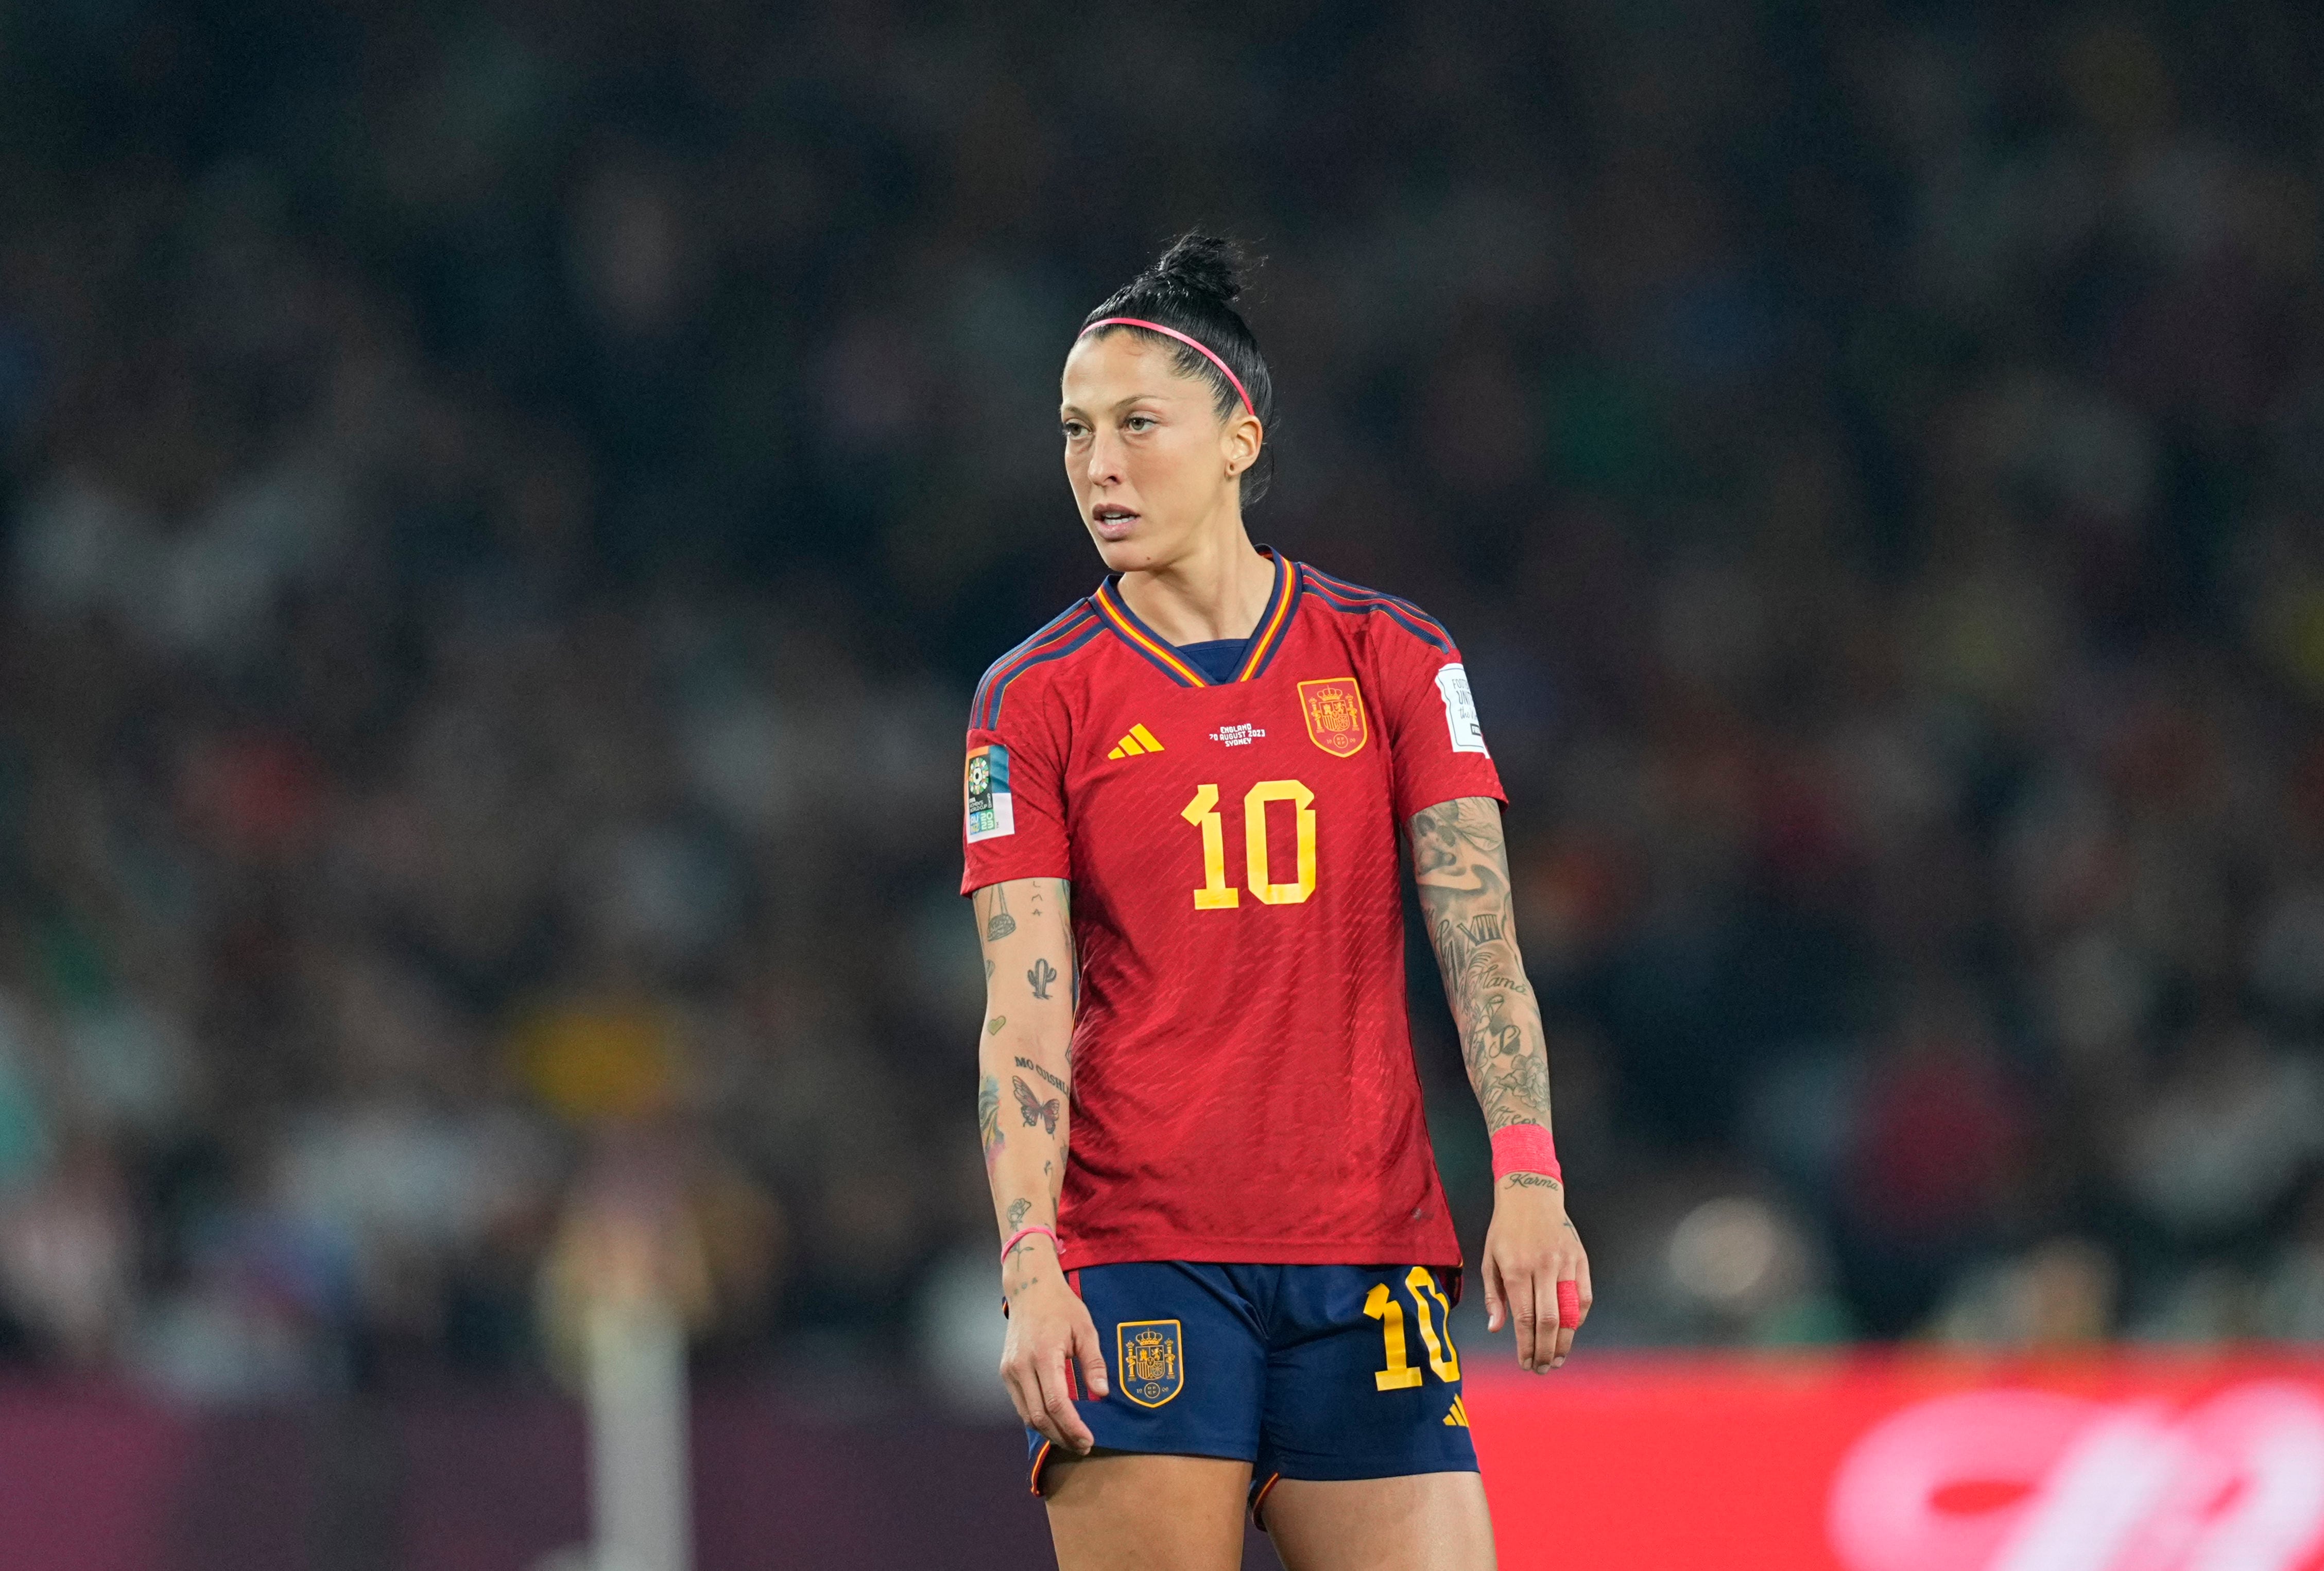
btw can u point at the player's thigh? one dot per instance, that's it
(1418, 1521)
(1114, 1510)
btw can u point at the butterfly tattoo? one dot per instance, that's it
(1034, 1110)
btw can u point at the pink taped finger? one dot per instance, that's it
(1569, 1303)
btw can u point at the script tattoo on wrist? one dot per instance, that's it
(1460, 865)
(1532, 1181)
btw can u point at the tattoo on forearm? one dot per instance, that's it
(1017, 1210)
(992, 1027)
(1010, 1262)
(1033, 1109)
(988, 1120)
(1002, 924)
(1461, 867)
(1073, 953)
(1041, 976)
(1052, 1079)
(1532, 1181)
(988, 970)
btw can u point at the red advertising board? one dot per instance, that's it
(2120, 1463)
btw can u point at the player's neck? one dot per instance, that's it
(1217, 589)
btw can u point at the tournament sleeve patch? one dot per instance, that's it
(991, 812)
(1460, 709)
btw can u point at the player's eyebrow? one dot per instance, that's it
(1120, 404)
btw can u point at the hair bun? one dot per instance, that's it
(1201, 264)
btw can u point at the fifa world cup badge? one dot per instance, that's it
(1153, 1361)
(991, 809)
(1335, 715)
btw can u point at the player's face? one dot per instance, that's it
(1153, 466)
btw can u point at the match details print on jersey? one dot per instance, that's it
(1234, 853)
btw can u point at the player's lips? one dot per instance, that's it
(1113, 523)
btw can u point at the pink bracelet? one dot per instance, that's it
(1525, 1147)
(1023, 1233)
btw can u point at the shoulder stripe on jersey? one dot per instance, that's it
(1275, 622)
(999, 668)
(1357, 591)
(1354, 599)
(1124, 621)
(1061, 637)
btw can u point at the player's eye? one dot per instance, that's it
(1073, 430)
(1140, 422)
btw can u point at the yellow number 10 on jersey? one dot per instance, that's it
(1203, 812)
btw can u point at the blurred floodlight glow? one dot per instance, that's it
(1729, 1252)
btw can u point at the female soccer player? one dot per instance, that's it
(1233, 1283)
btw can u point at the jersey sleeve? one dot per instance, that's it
(1012, 797)
(1431, 721)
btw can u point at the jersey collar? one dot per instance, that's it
(1274, 622)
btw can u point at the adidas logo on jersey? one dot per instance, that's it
(1458, 1418)
(1139, 740)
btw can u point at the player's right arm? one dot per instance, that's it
(1023, 1106)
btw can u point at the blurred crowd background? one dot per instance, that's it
(505, 504)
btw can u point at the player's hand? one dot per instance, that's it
(1529, 1248)
(1049, 1332)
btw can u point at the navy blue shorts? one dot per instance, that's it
(1323, 1371)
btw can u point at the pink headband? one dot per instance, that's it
(1194, 344)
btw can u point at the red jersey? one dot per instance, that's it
(1243, 1085)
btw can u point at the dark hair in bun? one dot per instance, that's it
(1193, 288)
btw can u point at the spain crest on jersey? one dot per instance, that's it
(1153, 1361)
(1335, 715)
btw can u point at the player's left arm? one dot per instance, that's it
(1461, 865)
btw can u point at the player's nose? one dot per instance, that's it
(1104, 459)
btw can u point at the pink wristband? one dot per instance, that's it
(1525, 1147)
(1024, 1232)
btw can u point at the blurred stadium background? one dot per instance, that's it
(504, 505)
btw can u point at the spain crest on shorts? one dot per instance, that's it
(1335, 715)
(1153, 1361)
